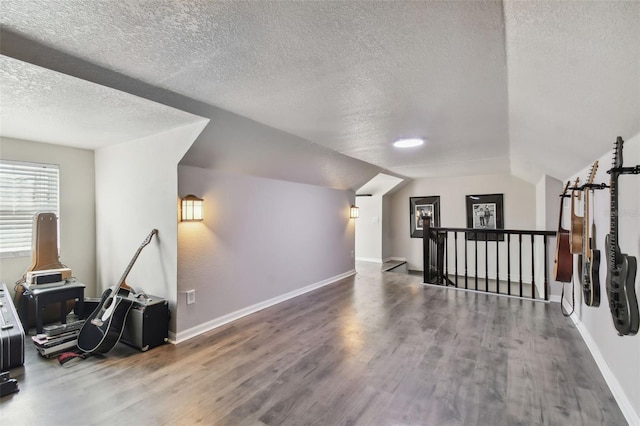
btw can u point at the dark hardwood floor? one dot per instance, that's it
(375, 349)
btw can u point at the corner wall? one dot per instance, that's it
(77, 208)
(369, 229)
(261, 240)
(136, 191)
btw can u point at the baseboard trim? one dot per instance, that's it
(397, 259)
(177, 338)
(368, 259)
(625, 405)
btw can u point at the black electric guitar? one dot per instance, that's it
(103, 328)
(591, 256)
(621, 268)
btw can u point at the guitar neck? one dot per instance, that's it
(585, 226)
(129, 267)
(613, 229)
(135, 257)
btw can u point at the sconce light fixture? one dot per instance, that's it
(192, 209)
(353, 214)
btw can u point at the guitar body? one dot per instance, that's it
(623, 302)
(563, 268)
(577, 224)
(591, 279)
(102, 337)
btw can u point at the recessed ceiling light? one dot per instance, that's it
(408, 142)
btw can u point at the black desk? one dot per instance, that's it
(45, 296)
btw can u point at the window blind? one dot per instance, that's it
(25, 189)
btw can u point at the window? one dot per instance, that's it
(25, 189)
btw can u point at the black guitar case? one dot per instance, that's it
(11, 333)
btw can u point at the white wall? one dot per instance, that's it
(620, 355)
(547, 208)
(77, 208)
(518, 201)
(369, 229)
(387, 243)
(136, 191)
(261, 239)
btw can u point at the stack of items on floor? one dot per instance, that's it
(57, 338)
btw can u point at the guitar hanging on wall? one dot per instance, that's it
(577, 222)
(621, 268)
(103, 328)
(563, 263)
(591, 256)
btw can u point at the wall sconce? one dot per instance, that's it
(192, 209)
(353, 213)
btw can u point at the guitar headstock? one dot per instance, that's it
(566, 188)
(592, 174)
(148, 239)
(575, 188)
(617, 153)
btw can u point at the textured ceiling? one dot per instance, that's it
(492, 87)
(45, 106)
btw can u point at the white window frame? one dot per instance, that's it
(26, 188)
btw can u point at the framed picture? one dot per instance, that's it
(420, 207)
(485, 212)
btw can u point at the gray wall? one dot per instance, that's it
(261, 239)
(77, 208)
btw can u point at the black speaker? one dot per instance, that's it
(147, 324)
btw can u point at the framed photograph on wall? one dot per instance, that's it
(485, 212)
(419, 207)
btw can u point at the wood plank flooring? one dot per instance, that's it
(374, 349)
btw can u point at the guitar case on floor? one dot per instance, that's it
(11, 333)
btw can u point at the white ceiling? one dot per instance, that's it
(46, 106)
(524, 87)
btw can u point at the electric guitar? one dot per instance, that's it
(621, 268)
(591, 256)
(577, 222)
(103, 328)
(563, 263)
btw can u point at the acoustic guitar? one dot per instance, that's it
(103, 328)
(577, 222)
(563, 263)
(591, 256)
(621, 268)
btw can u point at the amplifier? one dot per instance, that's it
(147, 324)
(47, 276)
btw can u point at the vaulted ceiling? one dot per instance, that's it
(522, 87)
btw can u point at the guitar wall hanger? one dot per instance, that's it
(588, 186)
(595, 186)
(625, 170)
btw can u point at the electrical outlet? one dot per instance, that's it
(352, 254)
(191, 297)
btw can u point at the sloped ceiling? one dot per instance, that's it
(521, 87)
(46, 106)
